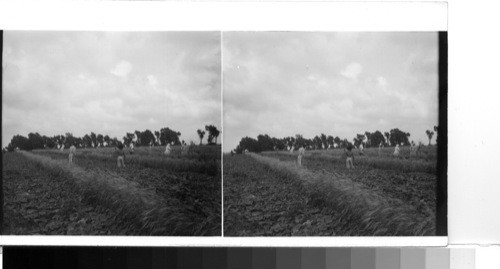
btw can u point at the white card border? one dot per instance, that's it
(223, 16)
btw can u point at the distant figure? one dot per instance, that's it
(396, 151)
(186, 149)
(412, 148)
(120, 159)
(302, 151)
(349, 157)
(361, 152)
(62, 147)
(131, 147)
(72, 151)
(150, 147)
(380, 146)
(167, 149)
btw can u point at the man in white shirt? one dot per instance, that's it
(302, 151)
(167, 149)
(396, 151)
(72, 151)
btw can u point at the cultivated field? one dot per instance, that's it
(179, 194)
(269, 194)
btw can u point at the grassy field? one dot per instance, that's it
(269, 194)
(179, 194)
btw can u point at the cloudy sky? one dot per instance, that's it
(340, 84)
(110, 82)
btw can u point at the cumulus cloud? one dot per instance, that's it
(122, 69)
(287, 83)
(352, 70)
(152, 80)
(110, 82)
(382, 82)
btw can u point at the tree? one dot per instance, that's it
(107, 139)
(114, 142)
(248, 143)
(397, 137)
(168, 136)
(128, 138)
(279, 144)
(69, 140)
(157, 135)
(387, 138)
(429, 135)
(289, 141)
(300, 141)
(138, 138)
(324, 141)
(59, 139)
(100, 140)
(93, 137)
(317, 143)
(36, 140)
(147, 137)
(265, 143)
(48, 142)
(358, 140)
(19, 141)
(212, 133)
(216, 134)
(369, 139)
(376, 138)
(78, 142)
(87, 141)
(436, 128)
(330, 141)
(201, 134)
(337, 141)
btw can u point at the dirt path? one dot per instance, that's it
(36, 202)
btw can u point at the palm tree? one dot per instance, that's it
(216, 134)
(387, 136)
(201, 134)
(429, 135)
(437, 134)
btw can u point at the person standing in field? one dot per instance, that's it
(302, 151)
(380, 148)
(72, 151)
(412, 149)
(349, 160)
(183, 147)
(396, 151)
(361, 152)
(167, 149)
(131, 147)
(120, 155)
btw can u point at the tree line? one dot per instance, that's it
(137, 138)
(323, 141)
